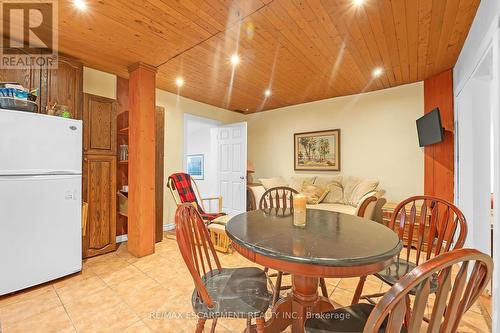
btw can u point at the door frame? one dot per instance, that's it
(491, 41)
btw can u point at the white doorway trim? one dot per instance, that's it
(490, 43)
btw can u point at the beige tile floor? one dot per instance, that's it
(119, 293)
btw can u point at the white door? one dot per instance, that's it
(40, 229)
(32, 143)
(232, 167)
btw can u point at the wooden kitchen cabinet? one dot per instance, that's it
(24, 76)
(99, 119)
(99, 178)
(99, 190)
(63, 85)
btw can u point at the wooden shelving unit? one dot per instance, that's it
(121, 169)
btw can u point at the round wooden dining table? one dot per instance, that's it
(330, 245)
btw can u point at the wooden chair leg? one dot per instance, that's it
(200, 325)
(214, 323)
(260, 324)
(324, 290)
(359, 290)
(277, 289)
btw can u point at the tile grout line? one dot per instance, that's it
(122, 300)
(65, 310)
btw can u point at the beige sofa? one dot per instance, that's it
(368, 203)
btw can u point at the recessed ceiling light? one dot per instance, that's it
(179, 82)
(80, 4)
(377, 72)
(358, 2)
(235, 59)
(267, 93)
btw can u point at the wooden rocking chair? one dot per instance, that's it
(192, 187)
(215, 221)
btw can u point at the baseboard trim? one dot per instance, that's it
(124, 238)
(169, 226)
(121, 238)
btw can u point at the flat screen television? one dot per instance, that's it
(430, 129)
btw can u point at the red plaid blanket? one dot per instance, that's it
(183, 185)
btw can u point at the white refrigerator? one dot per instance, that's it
(40, 199)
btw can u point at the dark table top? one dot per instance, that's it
(328, 239)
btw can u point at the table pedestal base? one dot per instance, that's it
(297, 306)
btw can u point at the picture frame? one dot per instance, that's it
(317, 151)
(195, 166)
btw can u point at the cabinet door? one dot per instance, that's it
(99, 191)
(22, 76)
(99, 122)
(28, 78)
(63, 86)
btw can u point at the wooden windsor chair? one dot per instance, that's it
(219, 292)
(427, 226)
(455, 294)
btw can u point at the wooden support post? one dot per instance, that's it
(439, 160)
(141, 209)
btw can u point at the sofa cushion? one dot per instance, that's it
(314, 193)
(340, 208)
(273, 182)
(296, 182)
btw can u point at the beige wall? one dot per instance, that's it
(378, 137)
(99, 83)
(175, 108)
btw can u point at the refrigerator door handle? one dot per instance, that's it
(61, 172)
(11, 173)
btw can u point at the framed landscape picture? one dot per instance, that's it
(317, 151)
(195, 166)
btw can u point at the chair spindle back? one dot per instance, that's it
(455, 293)
(277, 197)
(428, 225)
(197, 250)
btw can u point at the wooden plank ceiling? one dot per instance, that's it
(303, 50)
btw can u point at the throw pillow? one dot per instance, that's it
(314, 193)
(363, 187)
(335, 193)
(349, 187)
(296, 182)
(272, 182)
